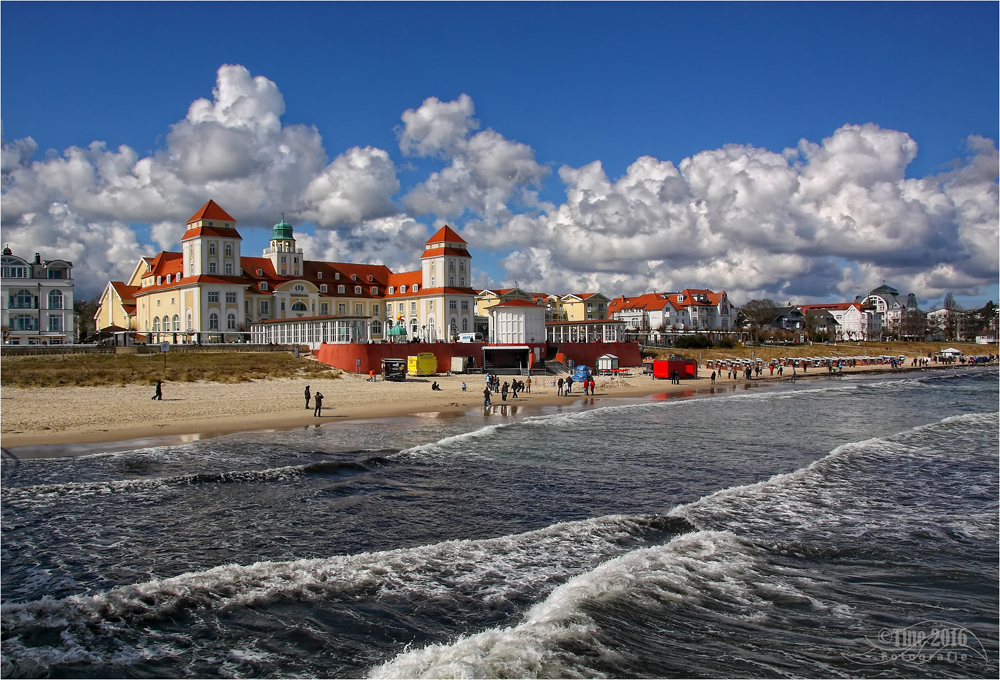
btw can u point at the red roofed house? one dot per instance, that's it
(211, 292)
(688, 310)
(853, 321)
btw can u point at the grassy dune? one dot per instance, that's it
(89, 370)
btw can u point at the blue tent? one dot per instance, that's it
(582, 372)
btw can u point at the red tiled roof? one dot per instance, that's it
(713, 298)
(125, 292)
(515, 303)
(211, 211)
(211, 231)
(644, 301)
(841, 306)
(444, 234)
(437, 252)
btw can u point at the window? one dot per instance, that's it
(158, 301)
(191, 267)
(263, 285)
(392, 290)
(430, 305)
(452, 304)
(415, 288)
(341, 308)
(299, 306)
(299, 288)
(159, 280)
(211, 249)
(55, 299)
(376, 328)
(22, 299)
(231, 298)
(359, 309)
(213, 322)
(211, 268)
(465, 325)
(370, 278)
(341, 289)
(24, 322)
(433, 281)
(168, 278)
(336, 276)
(354, 277)
(55, 324)
(177, 277)
(265, 307)
(229, 268)
(374, 290)
(374, 309)
(322, 287)
(166, 323)
(231, 322)
(156, 324)
(246, 307)
(402, 307)
(190, 325)
(413, 307)
(402, 289)
(324, 308)
(319, 275)
(357, 290)
(451, 280)
(177, 322)
(465, 305)
(229, 250)
(213, 296)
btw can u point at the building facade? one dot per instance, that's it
(37, 301)
(212, 292)
(688, 310)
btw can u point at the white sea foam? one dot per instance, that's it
(558, 638)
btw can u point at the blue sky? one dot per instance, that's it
(888, 110)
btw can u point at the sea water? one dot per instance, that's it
(834, 527)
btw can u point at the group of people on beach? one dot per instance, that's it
(564, 388)
(512, 388)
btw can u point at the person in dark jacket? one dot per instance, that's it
(319, 405)
(158, 395)
(307, 396)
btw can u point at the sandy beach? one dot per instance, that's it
(79, 415)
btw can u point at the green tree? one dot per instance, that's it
(759, 314)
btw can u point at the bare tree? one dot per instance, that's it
(759, 314)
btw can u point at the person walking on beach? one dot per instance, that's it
(503, 390)
(713, 377)
(486, 397)
(319, 405)
(559, 384)
(569, 386)
(307, 396)
(527, 385)
(158, 395)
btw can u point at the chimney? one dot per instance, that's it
(38, 258)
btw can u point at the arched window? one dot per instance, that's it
(156, 324)
(211, 249)
(415, 288)
(299, 306)
(322, 287)
(177, 322)
(357, 290)
(166, 323)
(190, 325)
(402, 289)
(55, 299)
(341, 289)
(213, 321)
(22, 300)
(231, 321)
(229, 250)
(392, 289)
(465, 325)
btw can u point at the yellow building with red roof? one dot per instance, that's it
(211, 292)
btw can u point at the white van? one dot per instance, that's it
(470, 337)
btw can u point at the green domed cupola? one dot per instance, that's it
(282, 230)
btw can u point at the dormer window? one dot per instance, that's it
(354, 277)
(263, 285)
(392, 290)
(374, 290)
(415, 288)
(322, 288)
(336, 276)
(371, 278)
(260, 272)
(319, 275)
(159, 280)
(341, 290)
(211, 224)
(357, 290)
(168, 278)
(402, 289)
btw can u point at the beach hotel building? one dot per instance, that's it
(210, 292)
(37, 301)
